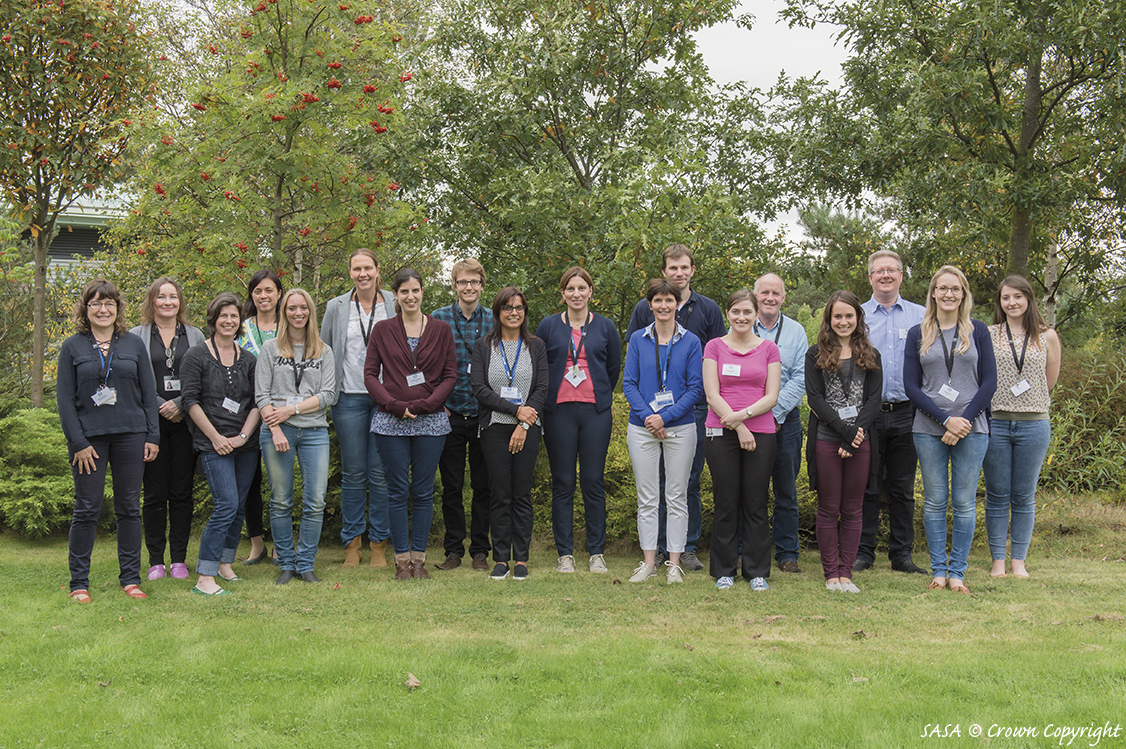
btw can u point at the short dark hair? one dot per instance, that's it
(659, 286)
(505, 296)
(674, 251)
(225, 299)
(99, 287)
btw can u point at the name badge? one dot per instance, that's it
(903, 334)
(948, 392)
(732, 370)
(293, 400)
(663, 399)
(512, 395)
(171, 384)
(231, 405)
(714, 432)
(848, 412)
(1021, 387)
(469, 368)
(105, 396)
(575, 376)
(418, 378)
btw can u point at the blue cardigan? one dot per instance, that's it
(603, 355)
(685, 377)
(986, 375)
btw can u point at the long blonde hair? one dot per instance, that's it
(314, 346)
(929, 327)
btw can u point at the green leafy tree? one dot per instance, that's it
(70, 73)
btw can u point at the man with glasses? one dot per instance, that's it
(889, 317)
(469, 320)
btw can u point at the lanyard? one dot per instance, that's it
(170, 350)
(777, 333)
(691, 307)
(948, 354)
(406, 340)
(510, 373)
(360, 314)
(582, 338)
(214, 351)
(662, 371)
(298, 369)
(107, 362)
(1023, 349)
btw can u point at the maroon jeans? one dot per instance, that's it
(840, 500)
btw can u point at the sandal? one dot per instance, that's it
(936, 585)
(82, 596)
(134, 591)
(961, 588)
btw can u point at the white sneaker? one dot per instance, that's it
(724, 583)
(675, 574)
(598, 563)
(849, 587)
(833, 586)
(759, 583)
(566, 564)
(641, 574)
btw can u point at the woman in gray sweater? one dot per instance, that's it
(296, 383)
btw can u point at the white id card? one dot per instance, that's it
(948, 392)
(105, 396)
(418, 378)
(663, 399)
(512, 395)
(848, 412)
(469, 368)
(1021, 387)
(575, 376)
(231, 405)
(732, 370)
(714, 432)
(171, 384)
(293, 400)
(903, 334)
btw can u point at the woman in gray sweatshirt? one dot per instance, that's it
(296, 383)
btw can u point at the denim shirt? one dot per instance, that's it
(887, 331)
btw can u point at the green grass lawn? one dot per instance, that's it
(565, 661)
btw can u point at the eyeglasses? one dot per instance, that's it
(104, 304)
(884, 272)
(512, 308)
(953, 290)
(461, 283)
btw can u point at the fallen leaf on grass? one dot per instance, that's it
(617, 581)
(654, 598)
(817, 618)
(755, 637)
(308, 629)
(1107, 617)
(770, 619)
(413, 682)
(105, 683)
(57, 626)
(857, 679)
(689, 646)
(567, 599)
(336, 586)
(121, 618)
(859, 634)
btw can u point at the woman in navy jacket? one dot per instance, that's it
(584, 361)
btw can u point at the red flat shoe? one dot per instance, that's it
(82, 596)
(134, 591)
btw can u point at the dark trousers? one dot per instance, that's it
(840, 495)
(787, 463)
(897, 474)
(578, 432)
(254, 525)
(461, 440)
(695, 505)
(125, 453)
(168, 494)
(740, 488)
(510, 479)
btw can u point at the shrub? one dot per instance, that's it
(36, 490)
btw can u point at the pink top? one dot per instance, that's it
(584, 393)
(742, 380)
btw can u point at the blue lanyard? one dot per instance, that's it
(662, 369)
(510, 373)
(107, 364)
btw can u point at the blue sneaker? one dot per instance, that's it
(759, 583)
(724, 583)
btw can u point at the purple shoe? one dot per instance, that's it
(179, 571)
(156, 572)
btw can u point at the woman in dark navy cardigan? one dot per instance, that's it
(584, 361)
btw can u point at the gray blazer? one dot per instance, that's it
(144, 332)
(334, 328)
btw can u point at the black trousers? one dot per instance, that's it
(168, 494)
(460, 442)
(254, 525)
(897, 473)
(740, 489)
(510, 481)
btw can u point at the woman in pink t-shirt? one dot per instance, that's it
(742, 376)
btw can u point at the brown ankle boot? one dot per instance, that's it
(378, 553)
(403, 567)
(418, 565)
(352, 552)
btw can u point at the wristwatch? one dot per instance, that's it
(244, 437)
(750, 413)
(525, 425)
(297, 409)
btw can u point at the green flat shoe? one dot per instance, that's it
(219, 592)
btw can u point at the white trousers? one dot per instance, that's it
(645, 451)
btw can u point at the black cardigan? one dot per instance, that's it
(820, 410)
(490, 399)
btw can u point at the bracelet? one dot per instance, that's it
(244, 437)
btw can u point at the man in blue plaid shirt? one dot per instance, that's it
(469, 321)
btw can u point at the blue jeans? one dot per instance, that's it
(409, 464)
(787, 463)
(950, 476)
(577, 432)
(309, 445)
(229, 477)
(1012, 471)
(695, 506)
(361, 470)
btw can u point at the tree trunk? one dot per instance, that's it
(1051, 279)
(39, 318)
(1020, 233)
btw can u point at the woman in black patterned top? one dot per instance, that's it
(509, 378)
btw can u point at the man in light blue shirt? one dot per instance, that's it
(790, 337)
(889, 317)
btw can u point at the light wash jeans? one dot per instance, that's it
(645, 453)
(309, 445)
(362, 484)
(1012, 470)
(950, 476)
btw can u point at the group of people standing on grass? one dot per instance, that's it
(889, 383)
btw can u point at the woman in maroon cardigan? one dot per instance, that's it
(415, 353)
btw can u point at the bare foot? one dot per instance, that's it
(257, 546)
(958, 586)
(1019, 569)
(207, 584)
(999, 568)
